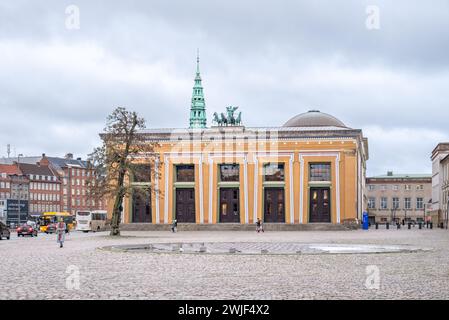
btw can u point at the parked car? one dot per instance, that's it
(26, 230)
(4, 231)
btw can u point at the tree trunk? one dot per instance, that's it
(116, 216)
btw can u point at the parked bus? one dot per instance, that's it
(50, 218)
(91, 220)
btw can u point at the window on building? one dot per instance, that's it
(408, 203)
(320, 172)
(273, 171)
(408, 187)
(395, 187)
(419, 203)
(383, 187)
(141, 173)
(229, 172)
(420, 187)
(185, 173)
(371, 203)
(384, 203)
(396, 203)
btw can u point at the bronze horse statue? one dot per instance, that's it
(216, 119)
(224, 120)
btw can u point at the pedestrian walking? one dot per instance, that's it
(60, 232)
(174, 226)
(259, 226)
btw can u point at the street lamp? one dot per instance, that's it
(19, 188)
(447, 212)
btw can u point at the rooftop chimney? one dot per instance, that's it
(78, 159)
(390, 173)
(69, 156)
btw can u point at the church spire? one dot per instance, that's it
(198, 106)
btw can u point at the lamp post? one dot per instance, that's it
(19, 188)
(447, 212)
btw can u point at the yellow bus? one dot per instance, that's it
(49, 218)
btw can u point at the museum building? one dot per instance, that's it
(309, 170)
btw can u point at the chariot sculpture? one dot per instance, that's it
(229, 119)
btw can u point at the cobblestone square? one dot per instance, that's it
(36, 268)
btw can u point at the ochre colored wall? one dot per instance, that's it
(340, 153)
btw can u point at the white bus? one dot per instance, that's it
(91, 220)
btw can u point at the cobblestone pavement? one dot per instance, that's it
(36, 268)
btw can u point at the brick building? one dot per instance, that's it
(14, 193)
(71, 175)
(13, 184)
(45, 187)
(75, 192)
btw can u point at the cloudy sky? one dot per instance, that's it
(274, 59)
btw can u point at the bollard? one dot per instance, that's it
(427, 224)
(431, 225)
(388, 226)
(420, 226)
(377, 225)
(398, 226)
(409, 225)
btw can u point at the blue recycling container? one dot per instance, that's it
(365, 222)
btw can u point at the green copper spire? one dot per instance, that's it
(198, 106)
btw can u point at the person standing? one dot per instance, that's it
(60, 232)
(259, 226)
(174, 225)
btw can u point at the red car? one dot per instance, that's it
(25, 229)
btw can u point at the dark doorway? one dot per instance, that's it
(185, 204)
(229, 205)
(320, 205)
(274, 209)
(141, 207)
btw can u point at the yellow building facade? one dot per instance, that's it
(310, 170)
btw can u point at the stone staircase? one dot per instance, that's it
(238, 227)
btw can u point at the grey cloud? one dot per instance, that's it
(273, 59)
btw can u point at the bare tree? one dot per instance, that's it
(118, 161)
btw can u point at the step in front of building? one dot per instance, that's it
(236, 227)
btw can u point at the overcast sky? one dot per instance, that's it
(273, 59)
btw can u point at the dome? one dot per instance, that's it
(314, 118)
